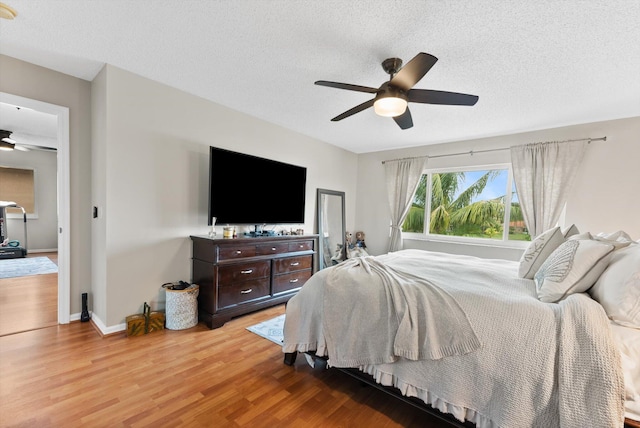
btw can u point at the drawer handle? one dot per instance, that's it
(295, 263)
(273, 248)
(247, 291)
(246, 272)
(238, 252)
(293, 281)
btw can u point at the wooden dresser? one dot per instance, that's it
(241, 275)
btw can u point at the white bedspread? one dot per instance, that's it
(540, 364)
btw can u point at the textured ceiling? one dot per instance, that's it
(534, 64)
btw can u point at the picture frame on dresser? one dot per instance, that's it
(242, 275)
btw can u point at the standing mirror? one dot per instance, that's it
(331, 227)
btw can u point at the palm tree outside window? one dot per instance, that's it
(467, 203)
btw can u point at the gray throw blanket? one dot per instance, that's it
(397, 314)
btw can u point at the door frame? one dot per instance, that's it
(64, 192)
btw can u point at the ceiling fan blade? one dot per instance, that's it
(29, 147)
(347, 86)
(404, 121)
(356, 109)
(428, 96)
(413, 71)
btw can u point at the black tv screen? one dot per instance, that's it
(245, 189)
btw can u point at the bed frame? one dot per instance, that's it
(290, 359)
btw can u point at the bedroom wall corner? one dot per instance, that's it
(98, 197)
(605, 196)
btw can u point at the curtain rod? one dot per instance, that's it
(472, 152)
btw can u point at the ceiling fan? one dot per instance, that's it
(7, 143)
(392, 97)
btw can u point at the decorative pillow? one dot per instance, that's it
(571, 230)
(618, 288)
(538, 251)
(572, 268)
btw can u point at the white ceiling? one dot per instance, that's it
(534, 64)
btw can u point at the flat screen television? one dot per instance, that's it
(250, 190)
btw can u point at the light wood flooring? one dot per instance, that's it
(29, 302)
(69, 376)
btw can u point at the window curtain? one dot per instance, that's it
(402, 178)
(544, 174)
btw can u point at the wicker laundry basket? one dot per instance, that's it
(182, 308)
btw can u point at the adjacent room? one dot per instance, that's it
(319, 213)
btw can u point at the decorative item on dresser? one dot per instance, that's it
(238, 276)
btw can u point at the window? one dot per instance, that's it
(468, 204)
(17, 185)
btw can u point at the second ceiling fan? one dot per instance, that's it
(393, 96)
(8, 144)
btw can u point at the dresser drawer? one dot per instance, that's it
(300, 246)
(236, 252)
(277, 248)
(229, 295)
(290, 264)
(243, 272)
(290, 281)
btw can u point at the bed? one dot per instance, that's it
(551, 340)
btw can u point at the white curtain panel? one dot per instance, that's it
(544, 174)
(402, 178)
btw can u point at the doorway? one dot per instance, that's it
(63, 193)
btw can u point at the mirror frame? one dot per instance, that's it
(320, 217)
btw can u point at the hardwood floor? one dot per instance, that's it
(29, 302)
(68, 376)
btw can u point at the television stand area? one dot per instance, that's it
(241, 275)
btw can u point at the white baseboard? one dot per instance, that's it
(104, 330)
(107, 330)
(45, 250)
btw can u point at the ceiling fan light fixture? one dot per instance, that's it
(391, 105)
(393, 96)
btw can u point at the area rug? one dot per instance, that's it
(272, 329)
(11, 268)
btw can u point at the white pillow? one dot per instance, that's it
(619, 239)
(618, 288)
(570, 231)
(538, 251)
(572, 268)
